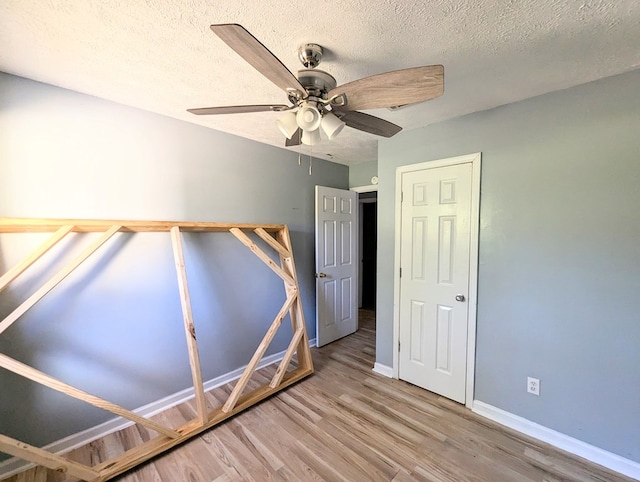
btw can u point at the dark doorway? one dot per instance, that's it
(369, 248)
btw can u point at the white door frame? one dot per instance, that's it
(359, 189)
(475, 160)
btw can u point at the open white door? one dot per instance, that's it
(336, 264)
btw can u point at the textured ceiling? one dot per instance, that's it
(161, 56)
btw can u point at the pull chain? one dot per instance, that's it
(310, 157)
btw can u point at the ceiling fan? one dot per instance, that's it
(317, 102)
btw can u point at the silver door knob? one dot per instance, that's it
(460, 298)
(321, 275)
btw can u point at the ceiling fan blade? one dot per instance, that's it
(296, 139)
(391, 89)
(368, 123)
(256, 54)
(238, 109)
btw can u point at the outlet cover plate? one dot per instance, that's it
(533, 385)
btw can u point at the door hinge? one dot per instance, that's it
(400, 272)
(398, 345)
(401, 196)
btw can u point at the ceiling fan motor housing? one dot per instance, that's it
(316, 82)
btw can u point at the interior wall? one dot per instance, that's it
(361, 174)
(559, 255)
(114, 327)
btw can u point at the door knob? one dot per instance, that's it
(460, 298)
(321, 275)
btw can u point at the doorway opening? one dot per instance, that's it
(367, 273)
(368, 250)
(346, 245)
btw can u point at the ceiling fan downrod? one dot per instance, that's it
(310, 55)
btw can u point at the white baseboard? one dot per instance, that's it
(594, 454)
(384, 370)
(16, 465)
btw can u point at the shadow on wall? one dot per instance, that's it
(50, 336)
(114, 327)
(7, 379)
(304, 254)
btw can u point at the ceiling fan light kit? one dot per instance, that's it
(318, 103)
(288, 124)
(331, 125)
(311, 138)
(308, 116)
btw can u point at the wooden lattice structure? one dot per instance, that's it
(276, 236)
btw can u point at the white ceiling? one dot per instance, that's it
(160, 55)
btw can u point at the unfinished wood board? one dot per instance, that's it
(27, 225)
(275, 236)
(189, 327)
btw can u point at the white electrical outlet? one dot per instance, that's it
(533, 385)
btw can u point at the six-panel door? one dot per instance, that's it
(336, 264)
(434, 253)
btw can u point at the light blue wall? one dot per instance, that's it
(559, 272)
(361, 174)
(114, 328)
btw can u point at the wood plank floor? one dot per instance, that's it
(344, 423)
